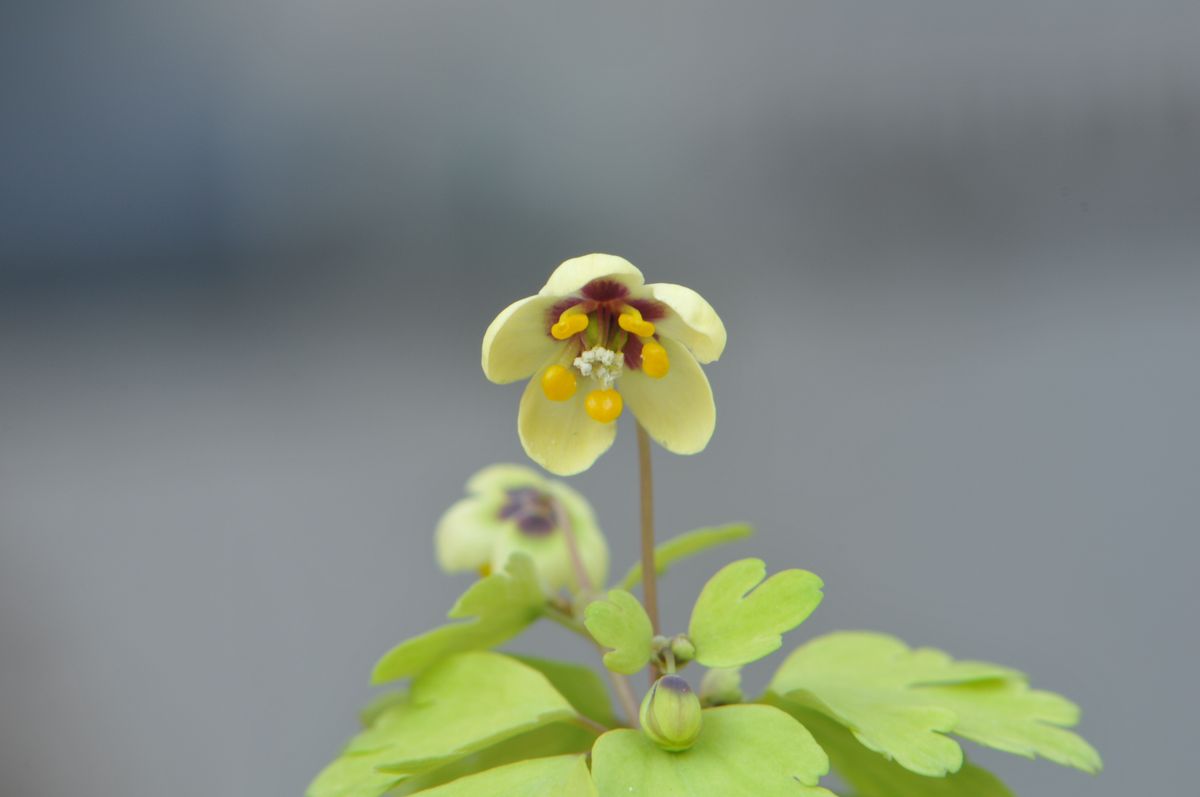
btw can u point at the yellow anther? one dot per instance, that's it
(572, 321)
(558, 383)
(485, 570)
(604, 405)
(632, 322)
(655, 362)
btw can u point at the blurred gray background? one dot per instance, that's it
(249, 250)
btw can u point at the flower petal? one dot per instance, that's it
(560, 435)
(573, 274)
(593, 547)
(677, 410)
(517, 341)
(552, 558)
(466, 535)
(691, 320)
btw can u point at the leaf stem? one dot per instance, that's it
(565, 619)
(649, 571)
(620, 684)
(629, 706)
(590, 724)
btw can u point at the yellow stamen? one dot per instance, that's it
(631, 321)
(558, 383)
(572, 321)
(655, 362)
(604, 405)
(485, 570)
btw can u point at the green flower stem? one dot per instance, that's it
(620, 685)
(649, 571)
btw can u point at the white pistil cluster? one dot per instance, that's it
(601, 364)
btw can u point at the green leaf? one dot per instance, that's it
(464, 704)
(379, 704)
(872, 775)
(580, 685)
(622, 624)
(687, 544)
(355, 776)
(743, 751)
(499, 606)
(901, 702)
(550, 740)
(563, 776)
(739, 617)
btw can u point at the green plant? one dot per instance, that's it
(477, 723)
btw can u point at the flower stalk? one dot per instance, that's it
(566, 619)
(584, 581)
(649, 571)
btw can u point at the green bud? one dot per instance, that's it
(720, 687)
(671, 714)
(682, 649)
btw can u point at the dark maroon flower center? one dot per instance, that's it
(604, 290)
(602, 300)
(534, 512)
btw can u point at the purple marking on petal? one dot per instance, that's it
(604, 290)
(534, 512)
(536, 525)
(633, 353)
(650, 309)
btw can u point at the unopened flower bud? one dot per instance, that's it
(682, 649)
(670, 714)
(720, 687)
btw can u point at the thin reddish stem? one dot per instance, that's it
(649, 571)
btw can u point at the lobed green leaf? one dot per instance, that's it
(556, 739)
(740, 617)
(621, 623)
(379, 704)
(581, 686)
(562, 776)
(355, 776)
(742, 751)
(687, 544)
(498, 608)
(902, 703)
(872, 775)
(464, 704)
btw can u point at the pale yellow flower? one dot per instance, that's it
(511, 509)
(596, 339)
